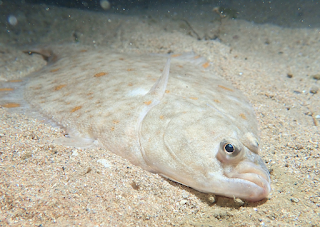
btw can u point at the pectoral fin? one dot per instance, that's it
(151, 99)
(158, 89)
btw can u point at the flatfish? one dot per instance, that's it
(168, 114)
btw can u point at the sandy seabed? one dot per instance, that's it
(277, 68)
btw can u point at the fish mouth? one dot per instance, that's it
(258, 175)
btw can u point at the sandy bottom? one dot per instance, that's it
(277, 68)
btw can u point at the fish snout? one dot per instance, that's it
(256, 174)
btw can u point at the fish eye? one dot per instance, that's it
(229, 148)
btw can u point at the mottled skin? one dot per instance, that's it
(187, 124)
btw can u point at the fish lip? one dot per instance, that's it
(255, 170)
(258, 179)
(254, 174)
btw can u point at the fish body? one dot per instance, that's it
(182, 122)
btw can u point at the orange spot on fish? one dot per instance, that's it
(6, 89)
(148, 102)
(196, 57)
(216, 100)
(115, 121)
(112, 128)
(180, 66)
(76, 108)
(243, 116)
(225, 88)
(100, 74)
(11, 105)
(129, 70)
(57, 88)
(175, 55)
(54, 70)
(130, 84)
(194, 98)
(15, 81)
(167, 91)
(206, 65)
(161, 117)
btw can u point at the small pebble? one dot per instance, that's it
(75, 153)
(289, 75)
(183, 202)
(316, 76)
(134, 185)
(185, 196)
(314, 89)
(104, 162)
(88, 170)
(294, 200)
(212, 199)
(238, 201)
(317, 119)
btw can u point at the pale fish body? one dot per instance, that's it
(182, 122)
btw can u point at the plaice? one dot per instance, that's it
(168, 114)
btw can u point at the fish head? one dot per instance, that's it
(243, 172)
(212, 155)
